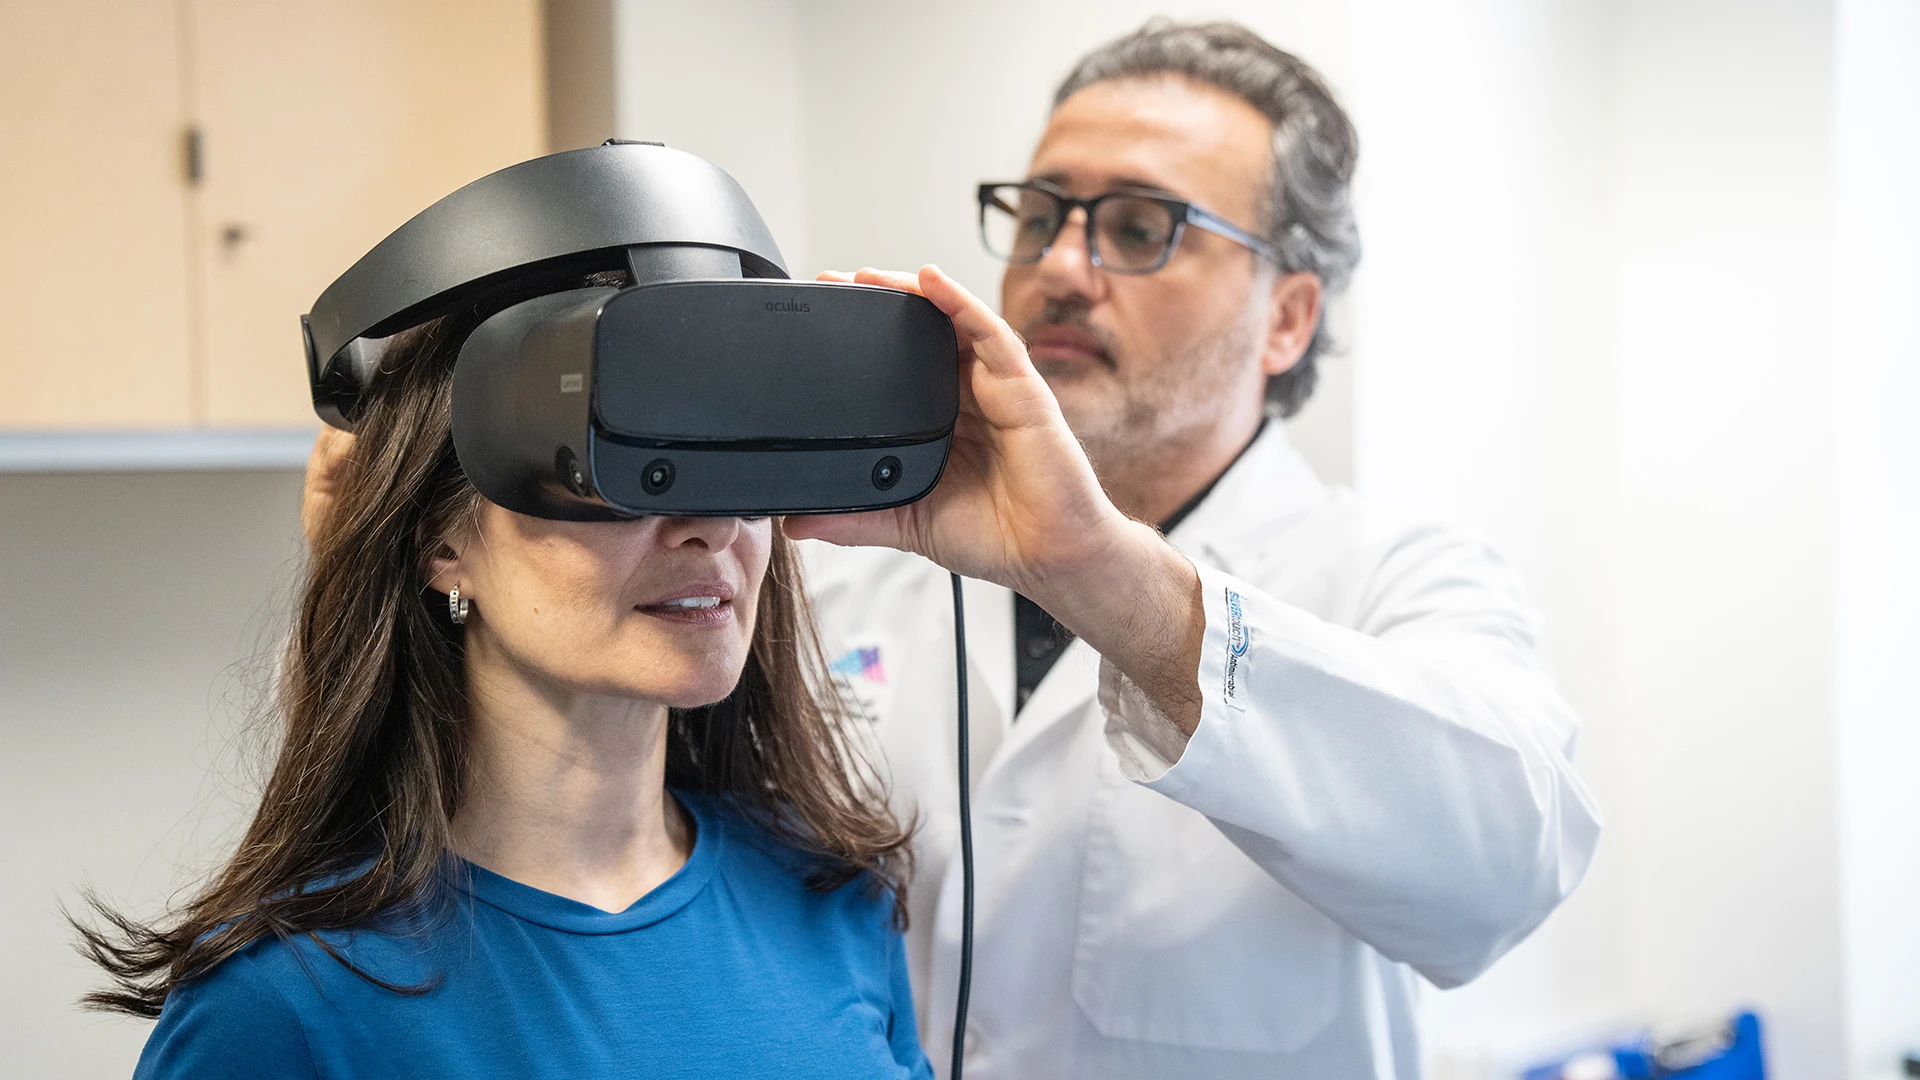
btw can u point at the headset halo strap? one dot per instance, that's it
(524, 229)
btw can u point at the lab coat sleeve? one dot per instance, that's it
(1411, 778)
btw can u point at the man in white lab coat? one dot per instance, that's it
(1264, 775)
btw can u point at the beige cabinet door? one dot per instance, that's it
(93, 233)
(326, 124)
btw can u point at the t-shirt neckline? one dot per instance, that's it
(571, 916)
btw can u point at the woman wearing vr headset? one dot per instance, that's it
(553, 798)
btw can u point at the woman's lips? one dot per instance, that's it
(707, 603)
(720, 614)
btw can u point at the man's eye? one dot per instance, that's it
(1034, 226)
(1137, 239)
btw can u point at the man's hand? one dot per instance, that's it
(1020, 505)
(324, 467)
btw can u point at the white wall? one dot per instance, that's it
(1876, 485)
(1683, 416)
(1723, 229)
(138, 613)
(721, 79)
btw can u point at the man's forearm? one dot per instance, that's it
(1140, 607)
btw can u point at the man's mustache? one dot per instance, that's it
(1070, 313)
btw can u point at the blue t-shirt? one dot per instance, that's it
(729, 968)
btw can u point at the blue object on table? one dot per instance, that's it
(1727, 1051)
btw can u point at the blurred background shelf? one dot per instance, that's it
(154, 451)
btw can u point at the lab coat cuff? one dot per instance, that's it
(1152, 750)
(1145, 740)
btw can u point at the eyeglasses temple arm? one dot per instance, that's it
(1218, 225)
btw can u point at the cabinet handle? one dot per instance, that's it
(234, 234)
(193, 153)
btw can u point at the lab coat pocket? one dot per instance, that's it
(1183, 940)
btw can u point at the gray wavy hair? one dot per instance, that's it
(1308, 210)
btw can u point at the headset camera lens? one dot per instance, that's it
(658, 477)
(572, 473)
(886, 472)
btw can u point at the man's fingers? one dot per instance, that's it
(331, 449)
(328, 457)
(984, 335)
(845, 277)
(994, 342)
(875, 528)
(890, 279)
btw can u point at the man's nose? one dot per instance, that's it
(1067, 268)
(712, 533)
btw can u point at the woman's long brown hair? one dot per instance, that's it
(354, 825)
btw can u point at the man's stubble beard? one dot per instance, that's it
(1145, 412)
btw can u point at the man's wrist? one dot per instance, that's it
(1139, 606)
(1082, 590)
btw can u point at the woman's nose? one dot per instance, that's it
(712, 533)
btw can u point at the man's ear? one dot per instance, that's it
(1293, 314)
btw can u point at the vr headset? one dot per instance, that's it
(710, 385)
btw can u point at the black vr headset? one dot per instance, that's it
(711, 385)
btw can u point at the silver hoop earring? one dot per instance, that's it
(457, 608)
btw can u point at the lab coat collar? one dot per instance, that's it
(996, 736)
(1069, 687)
(1269, 488)
(990, 656)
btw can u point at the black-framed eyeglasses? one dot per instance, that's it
(1127, 232)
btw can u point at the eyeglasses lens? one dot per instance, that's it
(1018, 223)
(1131, 234)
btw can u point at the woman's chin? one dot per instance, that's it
(678, 678)
(691, 688)
(696, 697)
(673, 693)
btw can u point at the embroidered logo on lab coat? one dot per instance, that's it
(861, 675)
(1236, 648)
(862, 662)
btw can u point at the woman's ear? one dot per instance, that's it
(444, 566)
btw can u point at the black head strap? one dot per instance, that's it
(527, 229)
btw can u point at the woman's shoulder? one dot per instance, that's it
(752, 858)
(259, 1011)
(237, 1019)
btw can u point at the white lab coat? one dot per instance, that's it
(1380, 789)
